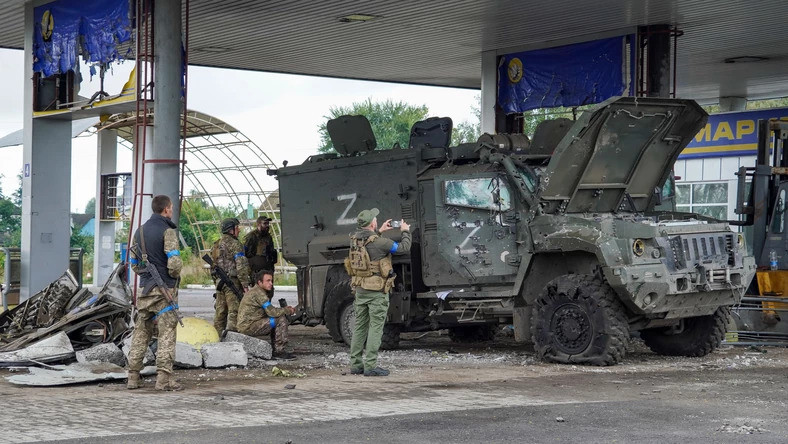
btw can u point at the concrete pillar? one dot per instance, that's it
(143, 202)
(46, 187)
(167, 104)
(658, 60)
(732, 104)
(489, 94)
(104, 236)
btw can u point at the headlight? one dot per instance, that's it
(638, 247)
(741, 241)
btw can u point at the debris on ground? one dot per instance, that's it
(64, 307)
(187, 356)
(224, 354)
(255, 347)
(290, 386)
(276, 371)
(76, 373)
(108, 352)
(52, 349)
(744, 429)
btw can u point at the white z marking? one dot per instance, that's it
(343, 219)
(461, 249)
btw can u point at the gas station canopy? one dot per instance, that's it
(729, 47)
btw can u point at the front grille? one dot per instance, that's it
(690, 251)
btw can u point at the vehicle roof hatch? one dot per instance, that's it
(616, 154)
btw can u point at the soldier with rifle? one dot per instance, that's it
(228, 256)
(155, 257)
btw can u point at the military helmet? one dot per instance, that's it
(229, 223)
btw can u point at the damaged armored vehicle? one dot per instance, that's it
(558, 235)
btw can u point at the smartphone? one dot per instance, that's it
(395, 224)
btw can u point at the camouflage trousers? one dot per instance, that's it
(226, 316)
(371, 308)
(149, 314)
(262, 329)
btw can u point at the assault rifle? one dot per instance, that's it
(158, 282)
(222, 277)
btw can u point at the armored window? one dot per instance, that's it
(482, 193)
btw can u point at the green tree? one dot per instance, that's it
(90, 207)
(198, 220)
(390, 121)
(469, 131)
(11, 218)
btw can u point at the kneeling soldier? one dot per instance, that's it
(259, 318)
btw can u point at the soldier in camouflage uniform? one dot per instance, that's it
(259, 246)
(228, 254)
(160, 244)
(258, 317)
(372, 277)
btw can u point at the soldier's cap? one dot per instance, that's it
(229, 223)
(365, 217)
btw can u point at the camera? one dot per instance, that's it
(395, 224)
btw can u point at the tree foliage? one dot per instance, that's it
(207, 217)
(391, 122)
(11, 217)
(90, 207)
(469, 131)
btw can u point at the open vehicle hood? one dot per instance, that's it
(626, 145)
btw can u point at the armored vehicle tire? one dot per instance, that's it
(473, 333)
(339, 299)
(579, 319)
(701, 335)
(347, 321)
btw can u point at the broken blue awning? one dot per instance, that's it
(64, 27)
(571, 75)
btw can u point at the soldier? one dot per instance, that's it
(258, 317)
(227, 253)
(259, 246)
(372, 277)
(156, 241)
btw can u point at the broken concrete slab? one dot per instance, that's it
(52, 349)
(69, 374)
(150, 358)
(108, 352)
(224, 354)
(255, 347)
(187, 356)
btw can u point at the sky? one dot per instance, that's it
(281, 113)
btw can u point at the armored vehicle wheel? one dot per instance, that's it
(579, 319)
(473, 333)
(701, 335)
(339, 299)
(390, 340)
(391, 332)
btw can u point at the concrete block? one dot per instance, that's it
(255, 347)
(224, 354)
(150, 358)
(102, 353)
(187, 356)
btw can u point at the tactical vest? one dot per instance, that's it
(153, 230)
(365, 273)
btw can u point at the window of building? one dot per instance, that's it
(707, 198)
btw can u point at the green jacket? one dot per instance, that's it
(251, 309)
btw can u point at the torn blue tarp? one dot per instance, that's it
(571, 75)
(64, 27)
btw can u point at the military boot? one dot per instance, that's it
(166, 382)
(134, 381)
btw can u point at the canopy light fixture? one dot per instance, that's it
(746, 59)
(350, 18)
